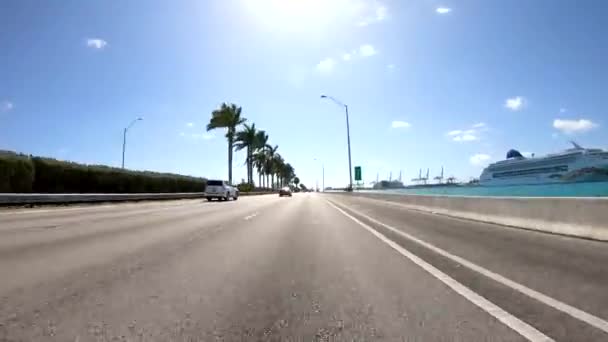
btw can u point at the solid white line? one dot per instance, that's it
(554, 303)
(492, 309)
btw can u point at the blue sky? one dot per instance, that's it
(428, 83)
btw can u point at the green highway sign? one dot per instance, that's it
(358, 173)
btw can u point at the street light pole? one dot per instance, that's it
(350, 168)
(322, 175)
(124, 144)
(124, 139)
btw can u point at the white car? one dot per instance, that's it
(220, 190)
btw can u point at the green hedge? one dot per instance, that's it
(16, 172)
(22, 174)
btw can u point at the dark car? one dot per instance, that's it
(285, 192)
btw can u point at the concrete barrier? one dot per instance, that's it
(580, 217)
(24, 199)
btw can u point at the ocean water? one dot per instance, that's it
(588, 189)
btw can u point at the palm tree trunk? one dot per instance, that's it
(250, 167)
(247, 162)
(267, 181)
(250, 157)
(230, 160)
(259, 179)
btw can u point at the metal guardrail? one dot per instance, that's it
(23, 199)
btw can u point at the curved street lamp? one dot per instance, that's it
(350, 169)
(124, 139)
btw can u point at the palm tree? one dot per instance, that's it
(296, 181)
(277, 165)
(271, 153)
(287, 174)
(261, 147)
(247, 138)
(259, 161)
(227, 116)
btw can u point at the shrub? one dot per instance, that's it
(19, 173)
(16, 172)
(245, 187)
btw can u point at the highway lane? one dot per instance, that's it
(269, 268)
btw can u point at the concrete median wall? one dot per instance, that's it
(580, 217)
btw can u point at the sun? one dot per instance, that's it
(292, 15)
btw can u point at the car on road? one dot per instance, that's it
(220, 190)
(285, 192)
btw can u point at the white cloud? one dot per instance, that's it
(190, 124)
(515, 103)
(326, 65)
(380, 13)
(6, 106)
(367, 50)
(467, 135)
(96, 43)
(479, 159)
(443, 10)
(197, 136)
(400, 124)
(204, 136)
(574, 126)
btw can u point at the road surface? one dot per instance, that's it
(315, 267)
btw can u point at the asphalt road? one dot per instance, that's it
(315, 267)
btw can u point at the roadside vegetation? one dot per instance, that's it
(29, 174)
(21, 173)
(272, 169)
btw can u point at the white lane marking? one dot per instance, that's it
(247, 218)
(492, 309)
(554, 303)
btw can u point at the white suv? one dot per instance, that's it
(220, 190)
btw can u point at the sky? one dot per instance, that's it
(429, 84)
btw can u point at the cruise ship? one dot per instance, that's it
(576, 164)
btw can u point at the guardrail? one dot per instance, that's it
(24, 199)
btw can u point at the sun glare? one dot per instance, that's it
(293, 15)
